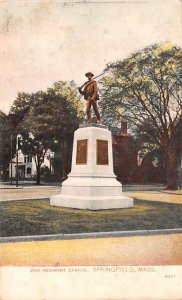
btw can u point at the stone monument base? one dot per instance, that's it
(92, 184)
(91, 203)
(92, 193)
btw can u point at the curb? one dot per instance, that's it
(74, 236)
(37, 198)
(11, 188)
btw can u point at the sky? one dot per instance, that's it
(42, 42)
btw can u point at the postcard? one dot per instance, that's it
(90, 149)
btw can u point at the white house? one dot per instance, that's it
(26, 165)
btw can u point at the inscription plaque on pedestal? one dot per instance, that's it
(102, 152)
(81, 152)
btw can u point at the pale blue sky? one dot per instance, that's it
(46, 41)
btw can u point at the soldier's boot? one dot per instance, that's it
(88, 121)
(99, 121)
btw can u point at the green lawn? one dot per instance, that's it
(32, 217)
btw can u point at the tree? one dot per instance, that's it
(45, 117)
(5, 145)
(145, 90)
(17, 117)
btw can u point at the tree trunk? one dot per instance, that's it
(171, 163)
(38, 175)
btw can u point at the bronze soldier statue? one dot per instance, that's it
(90, 93)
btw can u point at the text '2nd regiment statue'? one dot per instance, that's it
(90, 93)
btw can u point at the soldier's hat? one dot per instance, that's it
(89, 73)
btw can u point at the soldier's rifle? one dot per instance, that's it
(92, 79)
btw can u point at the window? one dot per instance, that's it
(27, 159)
(29, 170)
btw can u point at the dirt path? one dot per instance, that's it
(137, 250)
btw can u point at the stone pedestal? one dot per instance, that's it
(92, 183)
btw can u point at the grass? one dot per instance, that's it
(34, 217)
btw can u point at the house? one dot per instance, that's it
(26, 165)
(120, 153)
(129, 166)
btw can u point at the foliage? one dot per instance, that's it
(45, 120)
(5, 145)
(145, 90)
(55, 113)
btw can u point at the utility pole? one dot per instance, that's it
(180, 184)
(17, 160)
(17, 144)
(63, 160)
(50, 166)
(11, 159)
